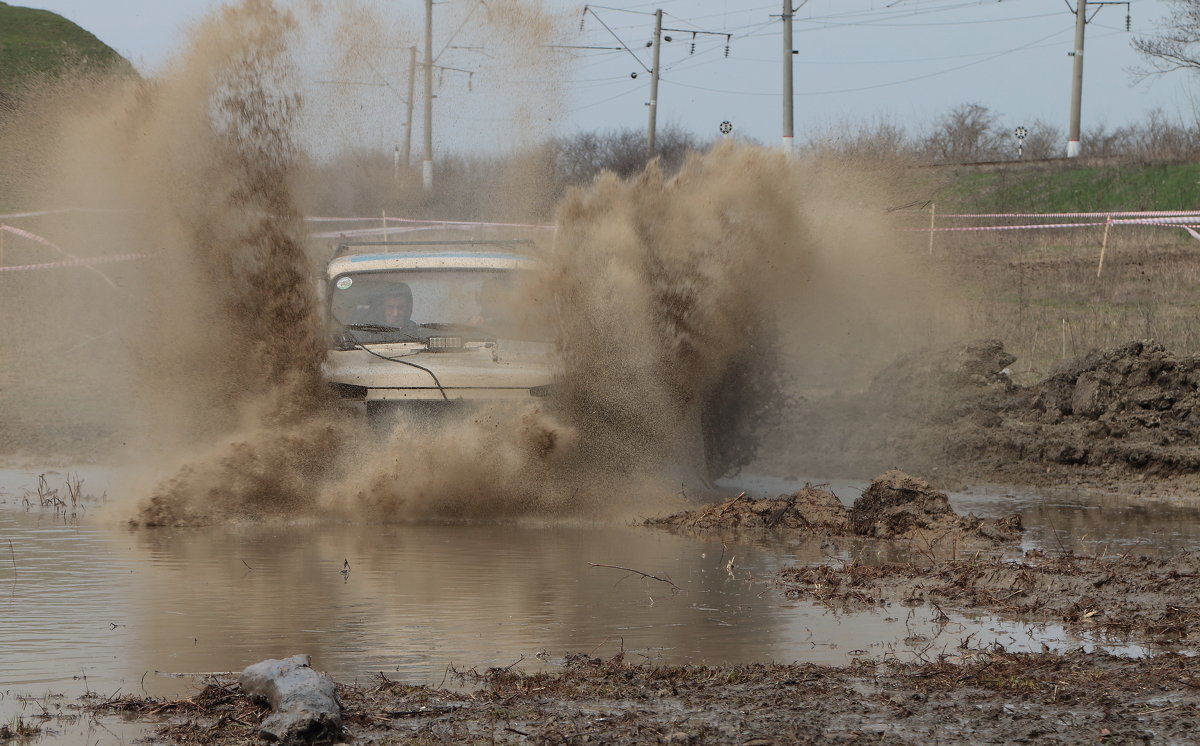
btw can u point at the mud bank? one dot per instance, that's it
(981, 696)
(1126, 418)
(894, 506)
(1137, 599)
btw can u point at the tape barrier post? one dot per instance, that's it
(932, 224)
(1103, 247)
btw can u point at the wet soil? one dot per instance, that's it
(978, 696)
(895, 506)
(1125, 419)
(1142, 599)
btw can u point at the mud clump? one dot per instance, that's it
(895, 506)
(899, 505)
(810, 510)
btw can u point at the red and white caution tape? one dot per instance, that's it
(1030, 226)
(355, 232)
(86, 262)
(57, 211)
(1099, 215)
(326, 219)
(71, 261)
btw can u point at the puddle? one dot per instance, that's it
(87, 607)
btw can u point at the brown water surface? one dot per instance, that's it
(87, 606)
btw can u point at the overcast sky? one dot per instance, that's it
(907, 62)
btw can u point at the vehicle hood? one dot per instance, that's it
(504, 364)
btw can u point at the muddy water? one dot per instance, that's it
(91, 607)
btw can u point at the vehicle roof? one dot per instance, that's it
(428, 260)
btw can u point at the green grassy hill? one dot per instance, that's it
(38, 42)
(1074, 187)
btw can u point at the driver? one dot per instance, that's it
(394, 309)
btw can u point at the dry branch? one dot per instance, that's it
(638, 572)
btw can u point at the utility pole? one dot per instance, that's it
(1077, 79)
(1081, 19)
(788, 138)
(654, 82)
(412, 78)
(427, 164)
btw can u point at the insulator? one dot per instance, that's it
(726, 50)
(1128, 22)
(692, 50)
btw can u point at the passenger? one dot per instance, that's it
(493, 298)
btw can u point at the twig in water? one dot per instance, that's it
(638, 572)
(248, 567)
(13, 552)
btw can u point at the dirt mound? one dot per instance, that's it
(1125, 413)
(812, 510)
(1132, 409)
(895, 506)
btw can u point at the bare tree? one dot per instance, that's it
(1043, 141)
(623, 152)
(1175, 45)
(966, 134)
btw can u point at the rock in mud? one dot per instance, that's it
(304, 703)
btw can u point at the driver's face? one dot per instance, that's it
(396, 310)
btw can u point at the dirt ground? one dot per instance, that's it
(1122, 419)
(978, 696)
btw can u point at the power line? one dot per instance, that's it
(879, 85)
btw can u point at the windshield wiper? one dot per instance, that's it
(449, 327)
(374, 328)
(382, 329)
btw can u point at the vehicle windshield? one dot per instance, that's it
(413, 305)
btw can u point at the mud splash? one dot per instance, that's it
(678, 301)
